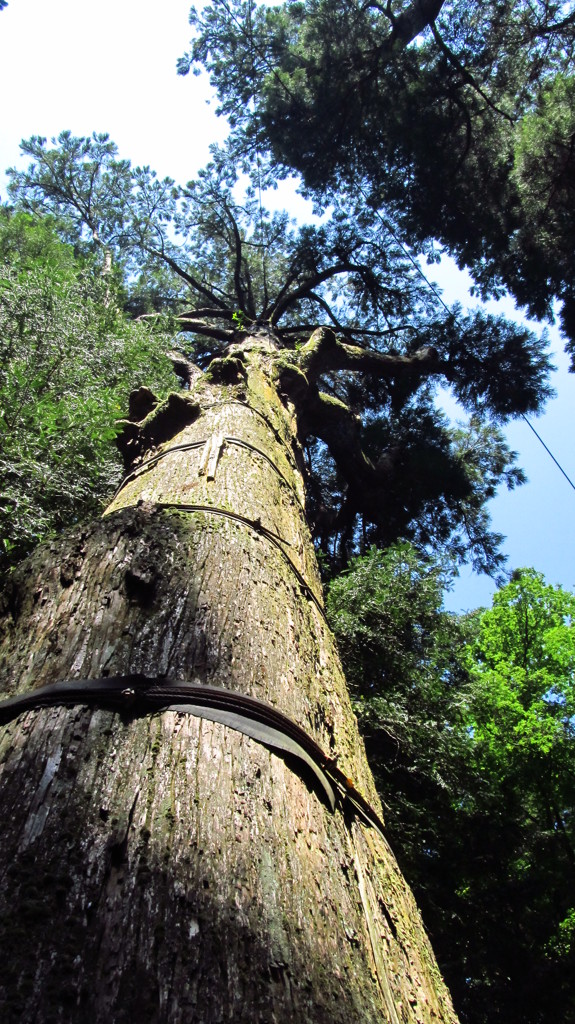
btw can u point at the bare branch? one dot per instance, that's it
(208, 330)
(199, 287)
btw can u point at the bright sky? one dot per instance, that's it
(110, 67)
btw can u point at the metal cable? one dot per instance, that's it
(191, 445)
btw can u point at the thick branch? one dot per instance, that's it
(411, 22)
(208, 330)
(348, 332)
(238, 259)
(222, 314)
(289, 278)
(324, 353)
(334, 423)
(327, 309)
(405, 27)
(187, 371)
(305, 288)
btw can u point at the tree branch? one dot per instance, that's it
(411, 22)
(304, 289)
(208, 330)
(467, 76)
(238, 258)
(324, 352)
(203, 311)
(202, 289)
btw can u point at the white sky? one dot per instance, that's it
(105, 67)
(110, 67)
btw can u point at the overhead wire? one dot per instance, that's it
(385, 224)
(548, 450)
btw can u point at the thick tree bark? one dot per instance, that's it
(165, 868)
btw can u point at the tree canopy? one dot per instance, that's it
(455, 118)
(365, 347)
(520, 853)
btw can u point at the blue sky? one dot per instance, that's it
(110, 67)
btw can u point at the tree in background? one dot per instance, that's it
(455, 118)
(522, 667)
(403, 657)
(468, 726)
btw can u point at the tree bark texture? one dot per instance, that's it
(165, 868)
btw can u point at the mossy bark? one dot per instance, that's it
(168, 869)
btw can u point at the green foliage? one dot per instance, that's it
(68, 360)
(524, 665)
(402, 658)
(28, 242)
(437, 496)
(544, 175)
(79, 180)
(470, 729)
(563, 944)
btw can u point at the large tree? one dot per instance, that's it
(455, 117)
(163, 867)
(171, 868)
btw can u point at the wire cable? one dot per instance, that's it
(437, 295)
(549, 452)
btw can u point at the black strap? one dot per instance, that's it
(253, 524)
(140, 695)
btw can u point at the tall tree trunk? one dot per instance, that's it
(165, 868)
